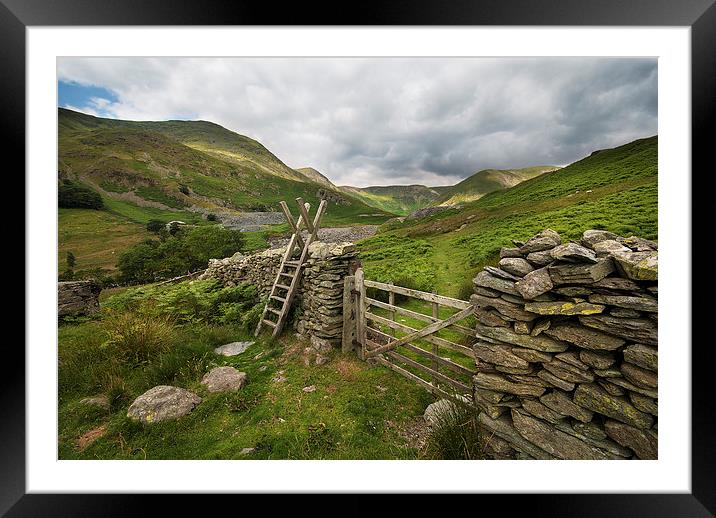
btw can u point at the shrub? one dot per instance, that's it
(184, 190)
(136, 338)
(455, 435)
(74, 196)
(155, 225)
(466, 289)
(211, 217)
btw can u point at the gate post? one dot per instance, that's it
(349, 314)
(360, 314)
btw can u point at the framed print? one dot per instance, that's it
(269, 256)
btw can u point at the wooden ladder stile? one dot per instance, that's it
(282, 292)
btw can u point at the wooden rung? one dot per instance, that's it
(283, 286)
(287, 274)
(272, 310)
(293, 264)
(272, 324)
(278, 298)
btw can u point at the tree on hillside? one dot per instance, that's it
(155, 225)
(71, 260)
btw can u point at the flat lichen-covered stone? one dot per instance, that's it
(592, 237)
(563, 308)
(561, 403)
(644, 443)
(555, 381)
(597, 359)
(643, 356)
(572, 252)
(498, 355)
(648, 304)
(639, 376)
(580, 273)
(485, 280)
(504, 428)
(499, 383)
(585, 337)
(638, 330)
(224, 379)
(507, 309)
(596, 399)
(545, 240)
(516, 266)
(539, 343)
(553, 441)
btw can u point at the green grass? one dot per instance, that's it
(358, 411)
(615, 190)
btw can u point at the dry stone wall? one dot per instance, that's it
(77, 298)
(567, 350)
(319, 299)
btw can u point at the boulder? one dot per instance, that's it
(224, 379)
(440, 410)
(77, 298)
(163, 403)
(594, 398)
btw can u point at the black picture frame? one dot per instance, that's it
(700, 15)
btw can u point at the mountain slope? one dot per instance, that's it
(489, 180)
(314, 176)
(615, 189)
(186, 166)
(399, 199)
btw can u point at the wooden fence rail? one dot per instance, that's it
(376, 336)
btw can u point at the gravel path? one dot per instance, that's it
(333, 235)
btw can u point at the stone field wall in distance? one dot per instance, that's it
(567, 349)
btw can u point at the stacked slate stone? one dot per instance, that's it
(566, 348)
(319, 299)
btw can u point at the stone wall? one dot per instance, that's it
(566, 348)
(76, 298)
(318, 305)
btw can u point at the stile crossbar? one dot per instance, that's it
(289, 273)
(438, 363)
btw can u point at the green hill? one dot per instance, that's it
(399, 199)
(614, 189)
(179, 170)
(489, 180)
(314, 176)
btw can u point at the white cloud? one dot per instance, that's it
(391, 120)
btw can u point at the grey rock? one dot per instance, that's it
(638, 266)
(224, 379)
(574, 291)
(568, 372)
(438, 411)
(611, 388)
(639, 330)
(485, 280)
(626, 384)
(163, 403)
(523, 328)
(644, 443)
(508, 310)
(490, 318)
(534, 284)
(499, 383)
(592, 237)
(572, 358)
(597, 359)
(539, 343)
(310, 388)
(498, 355)
(504, 428)
(609, 246)
(321, 345)
(542, 258)
(233, 348)
(539, 410)
(75, 298)
(516, 266)
(532, 355)
(638, 244)
(572, 252)
(624, 313)
(617, 283)
(638, 376)
(100, 401)
(554, 381)
(509, 252)
(595, 398)
(644, 403)
(540, 326)
(643, 356)
(502, 274)
(584, 337)
(649, 304)
(562, 403)
(580, 273)
(545, 240)
(553, 441)
(563, 308)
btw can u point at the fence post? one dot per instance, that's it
(360, 314)
(436, 365)
(349, 314)
(391, 301)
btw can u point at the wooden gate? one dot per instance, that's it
(427, 338)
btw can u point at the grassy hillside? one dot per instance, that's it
(315, 176)
(172, 170)
(615, 189)
(489, 180)
(399, 199)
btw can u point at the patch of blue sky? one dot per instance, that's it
(86, 98)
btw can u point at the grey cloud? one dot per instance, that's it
(394, 120)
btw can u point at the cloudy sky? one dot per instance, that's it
(383, 121)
